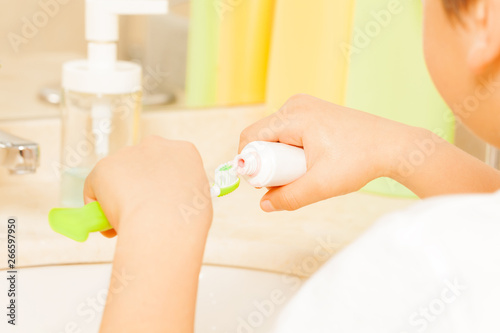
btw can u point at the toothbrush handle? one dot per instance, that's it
(77, 223)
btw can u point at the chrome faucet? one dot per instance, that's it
(20, 156)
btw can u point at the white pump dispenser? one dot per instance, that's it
(101, 96)
(101, 72)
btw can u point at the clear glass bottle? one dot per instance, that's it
(101, 96)
(93, 126)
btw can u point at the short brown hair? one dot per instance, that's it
(455, 7)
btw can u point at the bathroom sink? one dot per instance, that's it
(70, 298)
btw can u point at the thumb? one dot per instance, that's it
(302, 192)
(89, 196)
(88, 191)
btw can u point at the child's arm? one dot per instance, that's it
(446, 169)
(346, 149)
(156, 196)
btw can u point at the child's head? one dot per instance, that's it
(462, 50)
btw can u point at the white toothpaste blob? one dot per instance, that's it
(226, 180)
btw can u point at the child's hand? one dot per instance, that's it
(158, 177)
(156, 195)
(345, 149)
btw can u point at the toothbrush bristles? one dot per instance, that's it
(226, 180)
(226, 175)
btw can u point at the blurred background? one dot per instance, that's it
(363, 54)
(35, 63)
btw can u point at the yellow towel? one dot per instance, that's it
(306, 50)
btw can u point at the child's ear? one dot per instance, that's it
(483, 20)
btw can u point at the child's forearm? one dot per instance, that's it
(430, 166)
(161, 262)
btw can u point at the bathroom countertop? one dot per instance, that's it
(241, 235)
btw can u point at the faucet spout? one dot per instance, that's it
(19, 155)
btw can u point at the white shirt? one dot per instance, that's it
(434, 267)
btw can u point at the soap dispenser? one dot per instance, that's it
(101, 96)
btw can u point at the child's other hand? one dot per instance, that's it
(154, 182)
(345, 149)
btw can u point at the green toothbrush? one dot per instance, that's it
(77, 223)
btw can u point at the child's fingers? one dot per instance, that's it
(259, 131)
(88, 197)
(302, 192)
(281, 126)
(88, 191)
